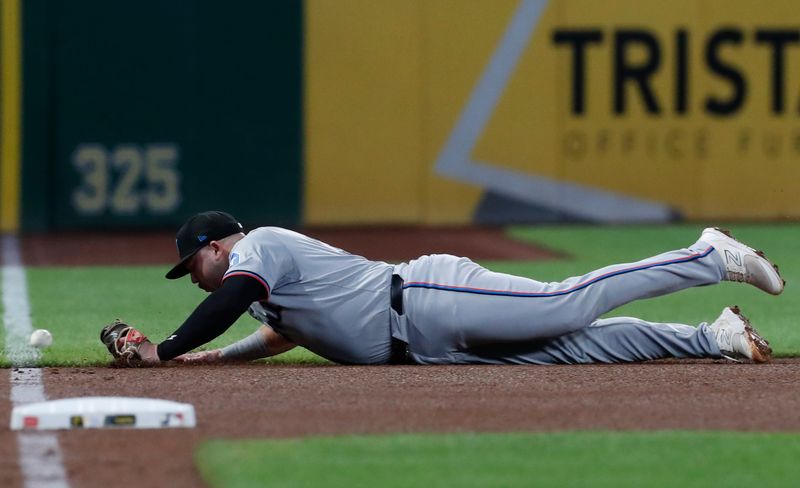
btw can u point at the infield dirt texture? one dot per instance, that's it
(260, 401)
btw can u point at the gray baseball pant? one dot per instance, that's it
(456, 311)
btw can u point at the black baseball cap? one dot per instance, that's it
(197, 232)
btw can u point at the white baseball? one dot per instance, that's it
(41, 338)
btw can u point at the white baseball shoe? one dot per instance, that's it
(737, 339)
(743, 263)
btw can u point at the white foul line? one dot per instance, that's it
(39, 453)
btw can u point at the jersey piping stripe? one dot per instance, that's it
(251, 275)
(580, 286)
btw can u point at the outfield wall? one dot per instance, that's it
(140, 113)
(421, 111)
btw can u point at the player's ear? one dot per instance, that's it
(215, 246)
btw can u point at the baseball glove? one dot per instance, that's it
(123, 342)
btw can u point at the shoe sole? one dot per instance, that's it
(759, 347)
(758, 253)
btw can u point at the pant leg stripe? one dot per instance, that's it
(580, 286)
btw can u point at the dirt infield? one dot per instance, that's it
(258, 401)
(393, 244)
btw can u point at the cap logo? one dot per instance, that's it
(202, 238)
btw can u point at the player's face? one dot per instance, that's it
(207, 267)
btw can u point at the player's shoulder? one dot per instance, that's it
(271, 232)
(266, 236)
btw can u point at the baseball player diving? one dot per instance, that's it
(438, 309)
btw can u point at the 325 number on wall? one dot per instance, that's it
(127, 180)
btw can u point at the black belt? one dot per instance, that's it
(397, 294)
(399, 348)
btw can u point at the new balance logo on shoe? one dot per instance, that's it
(735, 258)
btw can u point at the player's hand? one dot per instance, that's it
(202, 357)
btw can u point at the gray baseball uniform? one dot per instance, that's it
(454, 311)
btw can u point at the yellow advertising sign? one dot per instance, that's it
(10, 118)
(623, 110)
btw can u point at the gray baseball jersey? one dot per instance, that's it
(332, 302)
(338, 305)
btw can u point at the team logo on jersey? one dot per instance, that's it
(234, 259)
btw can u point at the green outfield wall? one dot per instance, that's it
(140, 113)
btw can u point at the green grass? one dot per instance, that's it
(73, 303)
(600, 459)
